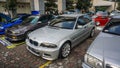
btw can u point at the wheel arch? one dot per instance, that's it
(65, 41)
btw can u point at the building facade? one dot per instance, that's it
(26, 6)
(107, 5)
(23, 6)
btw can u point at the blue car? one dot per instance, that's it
(14, 21)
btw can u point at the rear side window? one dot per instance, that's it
(83, 20)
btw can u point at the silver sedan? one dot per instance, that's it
(63, 33)
(104, 52)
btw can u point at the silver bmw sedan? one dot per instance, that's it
(58, 38)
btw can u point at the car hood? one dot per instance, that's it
(18, 28)
(50, 34)
(106, 47)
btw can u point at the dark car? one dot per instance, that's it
(104, 52)
(18, 32)
(12, 22)
(101, 18)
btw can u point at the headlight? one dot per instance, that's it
(18, 32)
(50, 45)
(92, 61)
(1, 27)
(112, 66)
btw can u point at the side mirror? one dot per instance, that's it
(97, 23)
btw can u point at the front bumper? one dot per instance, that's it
(84, 65)
(44, 52)
(14, 38)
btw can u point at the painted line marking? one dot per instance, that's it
(8, 44)
(46, 64)
(14, 45)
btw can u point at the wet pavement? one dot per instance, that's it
(20, 57)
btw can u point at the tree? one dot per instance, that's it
(50, 5)
(118, 7)
(84, 5)
(11, 7)
(69, 4)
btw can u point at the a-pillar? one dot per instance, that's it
(38, 5)
(61, 5)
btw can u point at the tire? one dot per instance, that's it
(28, 32)
(92, 33)
(65, 50)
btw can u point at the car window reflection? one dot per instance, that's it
(63, 22)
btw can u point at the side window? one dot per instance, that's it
(51, 17)
(43, 19)
(86, 20)
(81, 21)
(34, 21)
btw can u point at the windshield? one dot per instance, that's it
(63, 22)
(102, 14)
(12, 20)
(113, 27)
(29, 20)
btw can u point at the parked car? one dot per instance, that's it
(62, 34)
(18, 32)
(104, 52)
(101, 18)
(12, 22)
(113, 13)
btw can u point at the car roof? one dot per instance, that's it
(72, 15)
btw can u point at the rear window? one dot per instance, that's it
(102, 14)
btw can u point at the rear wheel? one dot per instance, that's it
(65, 50)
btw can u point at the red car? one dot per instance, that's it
(101, 18)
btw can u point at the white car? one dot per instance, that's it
(63, 33)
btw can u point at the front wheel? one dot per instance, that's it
(92, 33)
(65, 50)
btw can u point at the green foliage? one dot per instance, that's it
(50, 5)
(101, 8)
(118, 8)
(83, 5)
(69, 4)
(11, 4)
